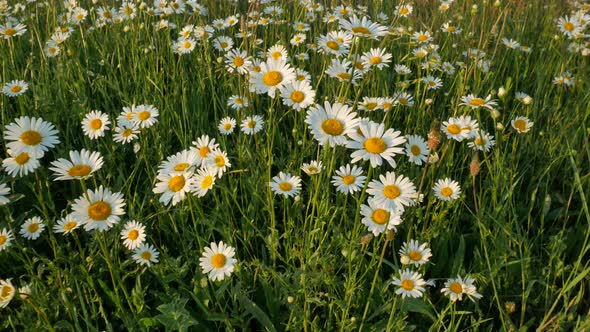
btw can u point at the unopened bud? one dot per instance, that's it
(501, 92)
(499, 126)
(510, 307)
(290, 299)
(390, 235)
(366, 239)
(495, 114)
(434, 138)
(474, 166)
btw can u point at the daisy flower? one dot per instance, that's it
(417, 149)
(145, 116)
(452, 129)
(285, 184)
(5, 238)
(133, 234)
(569, 26)
(82, 165)
(482, 142)
(227, 125)
(349, 180)
(372, 142)
(10, 30)
(4, 191)
(145, 254)
(410, 284)
(298, 39)
(403, 10)
(404, 99)
(15, 88)
(469, 127)
(475, 102)
(20, 165)
(100, 209)
(414, 253)
(363, 27)
(95, 123)
(456, 288)
(218, 260)
(313, 168)
(298, 95)
(377, 217)
(432, 83)
(402, 69)
(7, 292)
(376, 57)
(521, 124)
(273, 75)
(343, 71)
(330, 124)
(237, 102)
(393, 192)
(217, 161)
(66, 225)
(203, 181)
(510, 43)
(238, 61)
(447, 189)
(335, 42)
(203, 145)
(31, 135)
(32, 228)
(524, 98)
(173, 186)
(184, 45)
(223, 43)
(183, 161)
(125, 132)
(422, 37)
(252, 124)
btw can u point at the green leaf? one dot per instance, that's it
(174, 316)
(257, 313)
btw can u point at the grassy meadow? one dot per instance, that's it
(368, 165)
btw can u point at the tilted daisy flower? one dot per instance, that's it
(277, 52)
(447, 189)
(95, 123)
(363, 27)
(66, 225)
(173, 186)
(32, 228)
(238, 61)
(372, 142)
(370, 104)
(83, 163)
(335, 42)
(31, 135)
(404, 99)
(5, 238)
(203, 181)
(10, 29)
(376, 58)
(145, 254)
(312, 168)
(227, 125)
(379, 218)
(252, 124)
(475, 102)
(133, 234)
(452, 129)
(273, 75)
(183, 161)
(15, 88)
(343, 71)
(203, 145)
(4, 191)
(145, 116)
(417, 149)
(237, 102)
(218, 260)
(410, 284)
(125, 132)
(521, 124)
(285, 184)
(223, 43)
(469, 126)
(456, 288)
(404, 10)
(432, 83)
(184, 45)
(20, 164)
(393, 192)
(422, 37)
(414, 253)
(298, 95)
(349, 180)
(569, 26)
(332, 123)
(7, 292)
(483, 141)
(100, 209)
(217, 161)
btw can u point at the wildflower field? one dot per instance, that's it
(294, 165)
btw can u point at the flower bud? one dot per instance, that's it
(474, 166)
(434, 138)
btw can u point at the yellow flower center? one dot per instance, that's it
(361, 30)
(391, 191)
(454, 129)
(95, 124)
(416, 151)
(408, 284)
(127, 132)
(99, 211)
(219, 161)
(568, 26)
(227, 126)
(520, 125)
(146, 255)
(181, 167)
(176, 183)
(348, 179)
(207, 182)
(480, 141)
(446, 191)
(3, 239)
(343, 11)
(386, 106)
(251, 124)
(431, 83)
(285, 186)
(421, 54)
(272, 78)
(218, 261)
(375, 60)
(451, 28)
(107, 15)
(333, 45)
(297, 96)
(204, 151)
(380, 216)
(22, 158)
(375, 145)
(359, 65)
(12, 32)
(223, 44)
(415, 255)
(300, 77)
(343, 75)
(79, 170)
(238, 61)
(31, 137)
(422, 38)
(70, 225)
(403, 101)
(33, 228)
(133, 235)
(16, 88)
(277, 55)
(456, 288)
(371, 106)
(128, 11)
(6, 290)
(477, 102)
(143, 115)
(332, 127)
(403, 11)
(187, 44)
